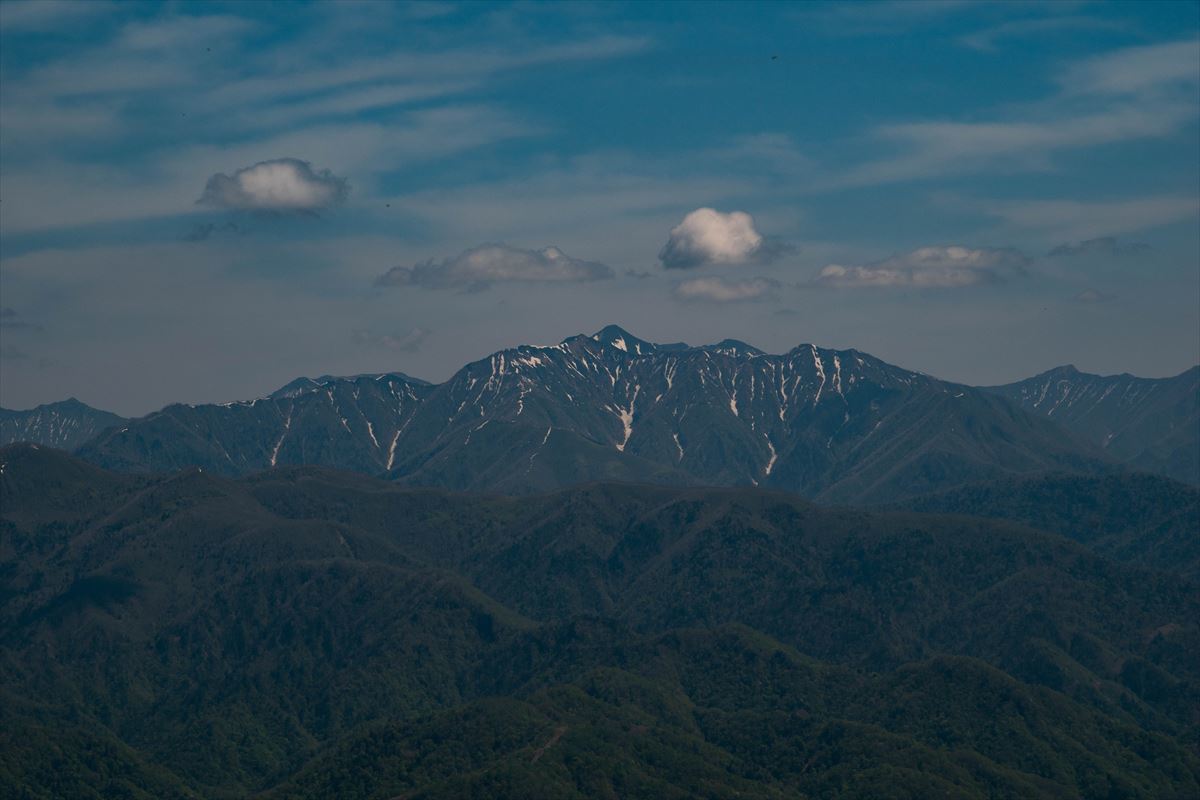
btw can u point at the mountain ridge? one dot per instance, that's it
(65, 424)
(839, 425)
(836, 424)
(1147, 423)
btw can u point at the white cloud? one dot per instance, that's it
(282, 184)
(707, 236)
(928, 267)
(721, 290)
(486, 264)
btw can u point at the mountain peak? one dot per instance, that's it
(618, 337)
(305, 384)
(733, 347)
(295, 387)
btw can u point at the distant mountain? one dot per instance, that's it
(352, 423)
(65, 425)
(1147, 423)
(834, 424)
(1136, 518)
(309, 634)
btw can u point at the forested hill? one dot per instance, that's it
(309, 633)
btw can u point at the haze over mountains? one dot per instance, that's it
(835, 425)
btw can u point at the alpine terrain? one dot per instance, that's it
(1148, 423)
(65, 425)
(830, 424)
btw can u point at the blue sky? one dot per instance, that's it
(199, 202)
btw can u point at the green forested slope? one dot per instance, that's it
(307, 633)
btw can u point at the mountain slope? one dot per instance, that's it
(65, 425)
(837, 425)
(846, 586)
(352, 423)
(1148, 423)
(675, 723)
(832, 424)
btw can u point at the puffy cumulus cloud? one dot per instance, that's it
(944, 267)
(721, 290)
(1101, 246)
(279, 185)
(409, 342)
(486, 264)
(706, 236)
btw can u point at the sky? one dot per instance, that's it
(201, 202)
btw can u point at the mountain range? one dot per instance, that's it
(309, 633)
(65, 425)
(835, 425)
(1148, 423)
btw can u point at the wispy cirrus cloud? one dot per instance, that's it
(50, 15)
(935, 149)
(199, 92)
(1133, 70)
(1082, 220)
(990, 38)
(1125, 95)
